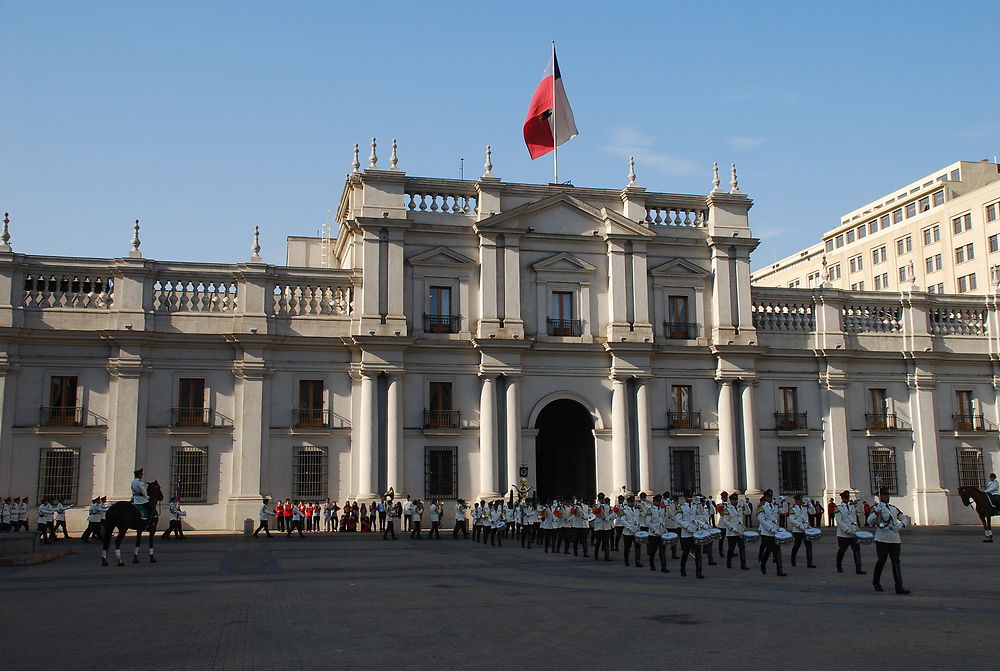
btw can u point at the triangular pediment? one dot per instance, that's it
(563, 214)
(564, 262)
(679, 268)
(440, 256)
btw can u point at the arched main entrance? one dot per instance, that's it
(564, 451)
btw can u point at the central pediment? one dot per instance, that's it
(563, 214)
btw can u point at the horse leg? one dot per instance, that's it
(988, 528)
(118, 545)
(138, 544)
(152, 535)
(106, 540)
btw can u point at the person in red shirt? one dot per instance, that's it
(308, 507)
(288, 514)
(831, 510)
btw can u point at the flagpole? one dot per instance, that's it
(555, 142)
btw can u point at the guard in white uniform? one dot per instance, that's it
(799, 518)
(602, 527)
(993, 497)
(690, 521)
(461, 509)
(174, 515)
(5, 514)
(60, 515)
(732, 519)
(847, 527)
(392, 513)
(579, 527)
(769, 525)
(262, 516)
(435, 511)
(629, 518)
(618, 526)
(654, 544)
(45, 522)
(22, 513)
(886, 520)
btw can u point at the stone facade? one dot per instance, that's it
(453, 331)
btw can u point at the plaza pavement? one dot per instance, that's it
(352, 601)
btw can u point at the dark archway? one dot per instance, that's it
(564, 451)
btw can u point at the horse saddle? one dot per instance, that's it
(994, 500)
(145, 511)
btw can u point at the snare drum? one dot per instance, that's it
(716, 533)
(670, 538)
(641, 536)
(500, 525)
(702, 537)
(751, 537)
(783, 537)
(865, 537)
(813, 534)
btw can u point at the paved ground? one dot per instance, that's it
(334, 601)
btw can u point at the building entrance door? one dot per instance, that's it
(564, 451)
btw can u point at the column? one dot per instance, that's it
(513, 429)
(8, 392)
(750, 439)
(488, 320)
(930, 501)
(727, 442)
(367, 438)
(619, 435)
(645, 435)
(253, 403)
(126, 446)
(488, 439)
(394, 432)
(836, 442)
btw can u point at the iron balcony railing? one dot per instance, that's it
(784, 421)
(60, 415)
(963, 422)
(442, 419)
(196, 416)
(680, 331)
(882, 422)
(442, 323)
(306, 417)
(684, 420)
(565, 327)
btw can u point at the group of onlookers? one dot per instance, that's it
(328, 516)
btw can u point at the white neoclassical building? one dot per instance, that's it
(452, 331)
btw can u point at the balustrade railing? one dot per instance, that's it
(180, 294)
(872, 318)
(772, 315)
(59, 290)
(943, 321)
(293, 300)
(420, 200)
(666, 215)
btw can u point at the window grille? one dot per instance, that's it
(309, 473)
(685, 469)
(971, 472)
(58, 474)
(189, 474)
(441, 472)
(882, 466)
(792, 470)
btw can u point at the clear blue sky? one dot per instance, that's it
(204, 119)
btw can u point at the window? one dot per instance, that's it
(902, 274)
(839, 240)
(932, 234)
(994, 243)
(857, 263)
(309, 472)
(937, 198)
(562, 320)
(861, 231)
(873, 226)
(879, 255)
(991, 212)
(995, 274)
(829, 245)
(311, 411)
(897, 216)
(439, 414)
(788, 399)
(880, 418)
(963, 223)
(62, 410)
(813, 280)
(881, 281)
(439, 317)
(933, 263)
(884, 221)
(924, 204)
(911, 210)
(964, 253)
(904, 245)
(685, 471)
(882, 470)
(190, 410)
(850, 236)
(679, 326)
(971, 472)
(835, 271)
(956, 175)
(936, 288)
(794, 283)
(792, 470)
(967, 283)
(441, 472)
(858, 286)
(189, 473)
(58, 474)
(681, 415)
(965, 410)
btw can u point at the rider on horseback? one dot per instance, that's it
(992, 491)
(140, 497)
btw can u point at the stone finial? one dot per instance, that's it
(734, 185)
(5, 236)
(826, 271)
(373, 159)
(715, 178)
(393, 159)
(255, 255)
(631, 170)
(489, 162)
(355, 164)
(134, 252)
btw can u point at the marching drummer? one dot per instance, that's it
(602, 526)
(847, 529)
(705, 520)
(799, 518)
(629, 518)
(655, 544)
(670, 511)
(689, 523)
(732, 518)
(886, 520)
(769, 526)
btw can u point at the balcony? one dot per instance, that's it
(442, 419)
(442, 323)
(190, 417)
(310, 418)
(61, 416)
(790, 421)
(680, 331)
(565, 327)
(684, 421)
(971, 424)
(884, 423)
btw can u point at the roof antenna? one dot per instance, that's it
(461, 168)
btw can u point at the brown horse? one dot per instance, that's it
(983, 508)
(123, 516)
